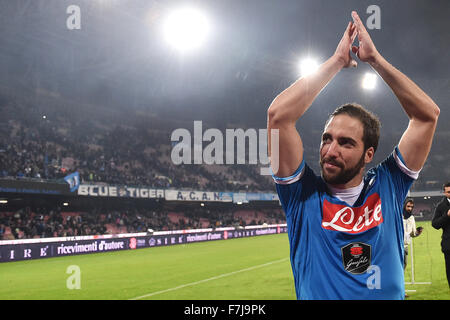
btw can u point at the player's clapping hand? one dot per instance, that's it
(366, 51)
(345, 45)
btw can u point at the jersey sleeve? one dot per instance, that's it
(293, 190)
(399, 175)
(291, 179)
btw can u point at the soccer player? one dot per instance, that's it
(345, 227)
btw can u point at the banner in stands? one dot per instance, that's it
(34, 187)
(236, 197)
(94, 190)
(27, 249)
(97, 190)
(251, 196)
(172, 195)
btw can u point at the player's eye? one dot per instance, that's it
(326, 138)
(346, 142)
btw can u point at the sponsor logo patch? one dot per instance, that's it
(339, 217)
(356, 257)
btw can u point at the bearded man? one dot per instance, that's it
(345, 226)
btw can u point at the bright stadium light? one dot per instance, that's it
(186, 29)
(369, 81)
(308, 66)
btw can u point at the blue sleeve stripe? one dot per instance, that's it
(296, 173)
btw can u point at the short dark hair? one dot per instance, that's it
(409, 200)
(446, 185)
(371, 123)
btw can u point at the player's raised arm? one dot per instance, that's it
(422, 112)
(292, 103)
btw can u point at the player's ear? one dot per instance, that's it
(369, 153)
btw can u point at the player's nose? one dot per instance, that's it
(332, 150)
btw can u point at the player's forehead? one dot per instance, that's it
(447, 190)
(343, 125)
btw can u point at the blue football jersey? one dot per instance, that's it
(342, 251)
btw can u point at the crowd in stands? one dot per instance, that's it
(54, 137)
(57, 137)
(44, 222)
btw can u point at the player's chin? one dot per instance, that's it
(330, 175)
(330, 170)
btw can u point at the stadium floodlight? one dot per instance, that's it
(3, 201)
(369, 81)
(186, 29)
(308, 66)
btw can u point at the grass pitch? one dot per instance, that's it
(256, 268)
(247, 268)
(429, 266)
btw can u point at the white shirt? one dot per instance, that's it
(409, 225)
(349, 195)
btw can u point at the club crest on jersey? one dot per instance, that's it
(342, 218)
(356, 257)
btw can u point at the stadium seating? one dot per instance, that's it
(109, 151)
(52, 222)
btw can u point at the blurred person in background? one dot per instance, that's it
(441, 220)
(409, 226)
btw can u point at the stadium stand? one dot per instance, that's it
(53, 222)
(49, 142)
